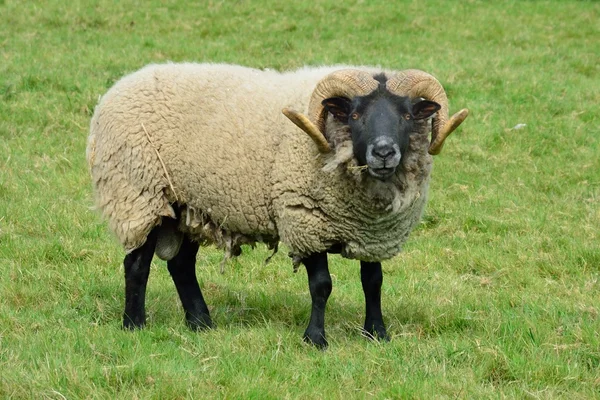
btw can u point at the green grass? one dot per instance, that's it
(496, 295)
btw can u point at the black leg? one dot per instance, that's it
(372, 279)
(183, 271)
(137, 269)
(319, 283)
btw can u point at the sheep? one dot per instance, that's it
(183, 155)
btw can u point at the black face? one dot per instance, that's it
(381, 124)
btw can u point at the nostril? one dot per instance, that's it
(384, 152)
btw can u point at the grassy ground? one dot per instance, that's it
(496, 294)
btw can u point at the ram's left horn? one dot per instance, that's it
(304, 123)
(414, 83)
(436, 144)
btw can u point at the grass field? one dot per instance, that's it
(497, 293)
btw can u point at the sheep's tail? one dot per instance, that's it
(130, 185)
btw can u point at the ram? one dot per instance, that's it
(183, 155)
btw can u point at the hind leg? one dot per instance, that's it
(137, 270)
(183, 271)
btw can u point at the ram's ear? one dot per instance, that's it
(339, 107)
(425, 109)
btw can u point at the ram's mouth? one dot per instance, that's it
(382, 173)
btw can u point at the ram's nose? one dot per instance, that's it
(384, 152)
(384, 149)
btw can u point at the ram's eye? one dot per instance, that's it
(354, 116)
(407, 117)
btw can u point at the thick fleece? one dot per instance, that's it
(211, 138)
(343, 207)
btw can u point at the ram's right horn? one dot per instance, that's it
(347, 83)
(343, 83)
(307, 126)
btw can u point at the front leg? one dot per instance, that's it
(371, 276)
(319, 283)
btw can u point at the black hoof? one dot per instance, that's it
(131, 324)
(376, 333)
(316, 338)
(199, 323)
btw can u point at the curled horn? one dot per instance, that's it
(415, 83)
(343, 83)
(304, 123)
